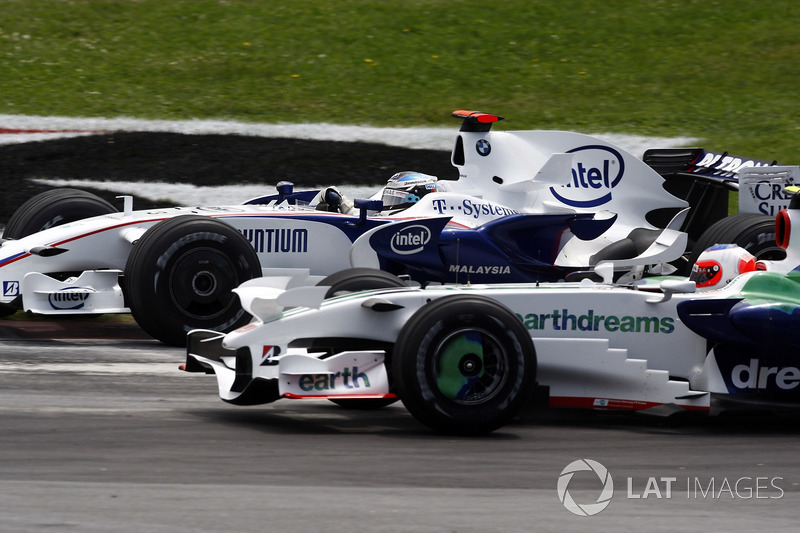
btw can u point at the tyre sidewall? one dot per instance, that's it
(153, 276)
(753, 232)
(416, 351)
(359, 279)
(54, 208)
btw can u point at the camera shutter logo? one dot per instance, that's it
(585, 509)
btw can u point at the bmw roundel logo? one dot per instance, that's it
(483, 147)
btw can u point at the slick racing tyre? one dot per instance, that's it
(180, 276)
(753, 232)
(464, 365)
(361, 279)
(54, 208)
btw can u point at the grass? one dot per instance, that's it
(726, 72)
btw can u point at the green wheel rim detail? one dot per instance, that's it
(460, 365)
(471, 367)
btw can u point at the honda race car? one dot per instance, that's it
(463, 359)
(527, 206)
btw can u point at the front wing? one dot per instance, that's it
(242, 380)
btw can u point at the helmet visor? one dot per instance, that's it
(706, 273)
(394, 197)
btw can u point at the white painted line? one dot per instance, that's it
(195, 195)
(438, 138)
(97, 369)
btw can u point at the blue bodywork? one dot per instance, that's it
(516, 248)
(755, 335)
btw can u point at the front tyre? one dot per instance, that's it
(180, 276)
(359, 279)
(464, 364)
(54, 208)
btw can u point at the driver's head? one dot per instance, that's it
(404, 189)
(718, 265)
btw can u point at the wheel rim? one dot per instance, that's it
(470, 366)
(201, 281)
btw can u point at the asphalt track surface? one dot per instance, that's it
(100, 432)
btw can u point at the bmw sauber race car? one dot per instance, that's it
(463, 359)
(527, 206)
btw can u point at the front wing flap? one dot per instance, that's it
(359, 374)
(93, 292)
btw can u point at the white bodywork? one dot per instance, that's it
(597, 345)
(535, 172)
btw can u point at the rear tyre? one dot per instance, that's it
(753, 232)
(464, 364)
(54, 208)
(361, 279)
(180, 276)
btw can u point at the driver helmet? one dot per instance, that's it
(718, 265)
(404, 189)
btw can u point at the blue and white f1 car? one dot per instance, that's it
(463, 358)
(528, 206)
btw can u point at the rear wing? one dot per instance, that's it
(703, 178)
(698, 162)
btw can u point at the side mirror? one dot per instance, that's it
(363, 206)
(673, 286)
(285, 188)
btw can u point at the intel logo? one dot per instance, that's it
(410, 240)
(596, 171)
(69, 299)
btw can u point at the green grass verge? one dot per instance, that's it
(723, 71)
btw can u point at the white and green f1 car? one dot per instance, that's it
(464, 358)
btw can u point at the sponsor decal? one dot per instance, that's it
(410, 239)
(267, 353)
(69, 298)
(756, 376)
(480, 269)
(348, 378)
(768, 197)
(287, 241)
(597, 170)
(563, 320)
(10, 288)
(471, 208)
(724, 165)
(483, 147)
